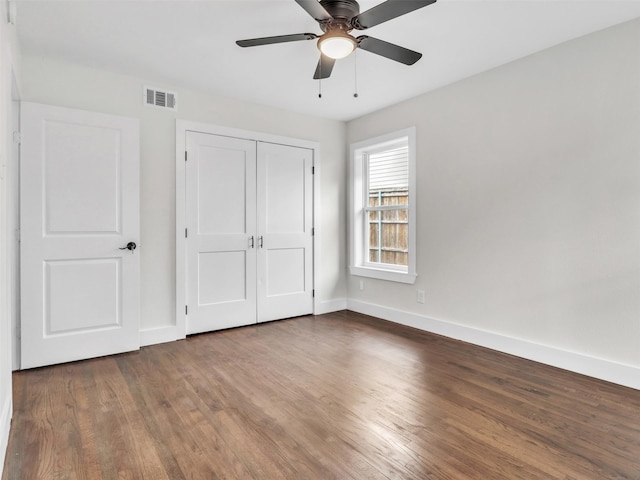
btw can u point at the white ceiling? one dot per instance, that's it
(192, 44)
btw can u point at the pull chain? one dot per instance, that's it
(355, 72)
(320, 80)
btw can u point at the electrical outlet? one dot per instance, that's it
(361, 284)
(421, 296)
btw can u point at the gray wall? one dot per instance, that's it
(528, 199)
(68, 85)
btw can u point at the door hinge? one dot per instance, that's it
(185, 233)
(17, 138)
(313, 231)
(313, 293)
(186, 310)
(313, 170)
(185, 155)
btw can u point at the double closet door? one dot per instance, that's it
(249, 232)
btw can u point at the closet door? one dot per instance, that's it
(221, 236)
(285, 241)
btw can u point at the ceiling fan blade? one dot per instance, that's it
(388, 50)
(387, 11)
(324, 68)
(314, 9)
(254, 42)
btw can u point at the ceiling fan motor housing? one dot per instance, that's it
(342, 12)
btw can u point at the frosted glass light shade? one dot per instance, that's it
(336, 46)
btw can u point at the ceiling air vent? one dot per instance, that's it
(159, 98)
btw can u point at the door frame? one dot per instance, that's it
(13, 217)
(184, 126)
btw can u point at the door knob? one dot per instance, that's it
(131, 246)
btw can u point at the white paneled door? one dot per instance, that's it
(80, 266)
(249, 231)
(285, 241)
(221, 227)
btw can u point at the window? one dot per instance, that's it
(383, 207)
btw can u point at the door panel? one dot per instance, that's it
(285, 214)
(81, 295)
(284, 179)
(285, 272)
(221, 277)
(222, 195)
(79, 205)
(81, 183)
(221, 219)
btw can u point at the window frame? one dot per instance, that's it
(359, 265)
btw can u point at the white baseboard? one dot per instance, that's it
(5, 426)
(613, 372)
(153, 336)
(329, 306)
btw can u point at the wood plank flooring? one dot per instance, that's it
(338, 396)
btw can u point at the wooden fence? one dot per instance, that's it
(389, 230)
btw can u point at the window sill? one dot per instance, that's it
(381, 274)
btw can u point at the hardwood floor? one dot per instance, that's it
(338, 396)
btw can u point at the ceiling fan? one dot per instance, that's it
(337, 18)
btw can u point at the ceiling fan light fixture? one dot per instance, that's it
(337, 45)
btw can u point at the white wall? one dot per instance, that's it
(68, 85)
(528, 207)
